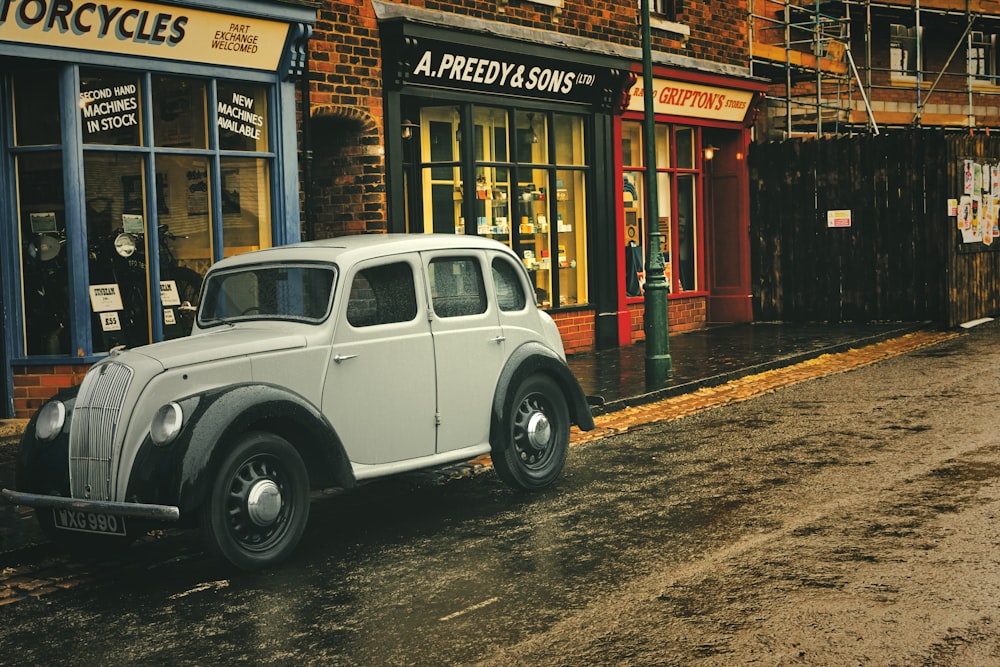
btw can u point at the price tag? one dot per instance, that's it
(110, 322)
(168, 293)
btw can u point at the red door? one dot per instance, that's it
(727, 215)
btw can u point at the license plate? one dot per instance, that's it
(89, 522)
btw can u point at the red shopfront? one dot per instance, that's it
(702, 134)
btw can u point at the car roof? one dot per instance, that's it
(347, 250)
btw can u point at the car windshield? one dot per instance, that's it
(297, 292)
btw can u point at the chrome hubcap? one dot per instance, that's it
(539, 430)
(264, 502)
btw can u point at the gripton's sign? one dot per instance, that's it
(447, 65)
(680, 98)
(144, 29)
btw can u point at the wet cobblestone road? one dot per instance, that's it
(32, 568)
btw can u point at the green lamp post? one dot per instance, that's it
(659, 365)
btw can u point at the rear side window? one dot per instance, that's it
(382, 295)
(510, 292)
(457, 286)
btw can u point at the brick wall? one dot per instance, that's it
(33, 385)
(576, 329)
(348, 169)
(682, 315)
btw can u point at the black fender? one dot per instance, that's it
(181, 472)
(527, 360)
(42, 467)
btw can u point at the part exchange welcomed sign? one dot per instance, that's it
(144, 29)
(446, 65)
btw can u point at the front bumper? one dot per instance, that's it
(138, 510)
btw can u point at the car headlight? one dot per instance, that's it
(167, 424)
(51, 419)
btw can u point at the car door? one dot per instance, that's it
(379, 391)
(468, 346)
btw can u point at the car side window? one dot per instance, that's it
(510, 292)
(457, 286)
(382, 295)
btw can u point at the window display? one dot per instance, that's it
(146, 213)
(521, 197)
(677, 174)
(44, 265)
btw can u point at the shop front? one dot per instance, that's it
(140, 142)
(702, 134)
(509, 139)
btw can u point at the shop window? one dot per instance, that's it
(441, 177)
(36, 107)
(116, 236)
(676, 195)
(242, 117)
(686, 232)
(44, 266)
(138, 202)
(109, 108)
(246, 204)
(179, 119)
(521, 196)
(184, 237)
(903, 52)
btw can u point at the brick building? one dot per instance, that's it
(236, 125)
(420, 121)
(869, 65)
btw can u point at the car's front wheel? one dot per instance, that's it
(535, 435)
(259, 502)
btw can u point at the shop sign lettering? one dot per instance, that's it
(109, 108)
(690, 99)
(147, 29)
(100, 19)
(455, 68)
(486, 70)
(238, 117)
(237, 38)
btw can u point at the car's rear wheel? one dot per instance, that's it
(259, 502)
(536, 435)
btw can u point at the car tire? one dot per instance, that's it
(258, 504)
(535, 435)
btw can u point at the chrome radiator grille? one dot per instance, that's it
(94, 431)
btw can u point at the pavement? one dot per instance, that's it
(616, 378)
(719, 354)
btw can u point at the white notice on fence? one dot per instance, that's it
(839, 218)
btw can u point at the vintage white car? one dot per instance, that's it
(314, 365)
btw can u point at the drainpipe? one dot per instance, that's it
(307, 154)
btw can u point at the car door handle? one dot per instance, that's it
(499, 339)
(343, 357)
